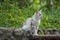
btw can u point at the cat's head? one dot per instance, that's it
(38, 14)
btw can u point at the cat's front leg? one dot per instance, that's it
(35, 32)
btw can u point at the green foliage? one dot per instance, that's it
(14, 12)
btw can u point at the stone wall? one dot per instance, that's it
(12, 34)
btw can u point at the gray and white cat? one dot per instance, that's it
(33, 23)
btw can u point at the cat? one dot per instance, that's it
(32, 24)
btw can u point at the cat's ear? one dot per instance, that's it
(36, 11)
(40, 10)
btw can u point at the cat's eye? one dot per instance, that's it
(39, 14)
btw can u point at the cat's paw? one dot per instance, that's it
(35, 34)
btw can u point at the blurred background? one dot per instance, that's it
(14, 12)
